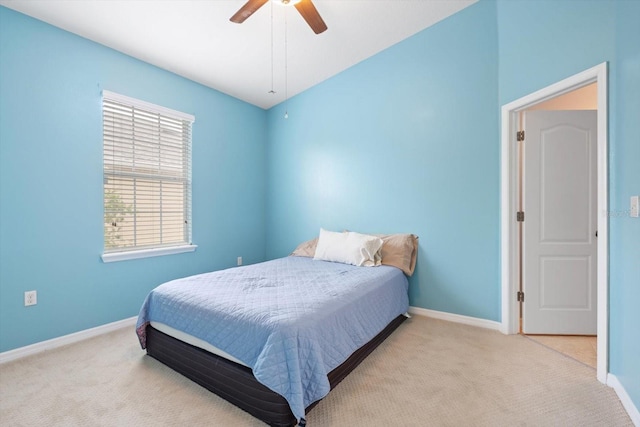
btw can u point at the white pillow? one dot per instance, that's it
(348, 248)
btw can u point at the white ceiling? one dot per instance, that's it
(195, 39)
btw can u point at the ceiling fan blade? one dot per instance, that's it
(311, 15)
(247, 10)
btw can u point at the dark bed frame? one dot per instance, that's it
(236, 383)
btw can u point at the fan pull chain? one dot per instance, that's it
(286, 70)
(272, 91)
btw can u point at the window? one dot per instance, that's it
(147, 179)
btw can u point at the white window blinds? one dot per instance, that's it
(147, 175)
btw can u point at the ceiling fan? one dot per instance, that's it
(305, 7)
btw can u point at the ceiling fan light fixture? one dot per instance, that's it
(286, 2)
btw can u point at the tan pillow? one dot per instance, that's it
(400, 250)
(307, 248)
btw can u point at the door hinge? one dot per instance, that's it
(520, 216)
(520, 296)
(520, 136)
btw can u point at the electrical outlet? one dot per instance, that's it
(30, 298)
(239, 260)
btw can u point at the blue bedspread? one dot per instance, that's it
(292, 320)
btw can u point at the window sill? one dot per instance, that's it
(146, 253)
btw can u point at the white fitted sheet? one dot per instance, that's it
(197, 342)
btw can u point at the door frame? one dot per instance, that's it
(509, 198)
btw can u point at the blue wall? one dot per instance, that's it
(51, 181)
(541, 42)
(625, 182)
(406, 141)
(544, 41)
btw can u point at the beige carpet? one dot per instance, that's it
(428, 373)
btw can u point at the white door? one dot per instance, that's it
(559, 235)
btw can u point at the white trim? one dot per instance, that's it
(456, 318)
(603, 224)
(29, 350)
(508, 249)
(625, 399)
(509, 235)
(146, 253)
(147, 106)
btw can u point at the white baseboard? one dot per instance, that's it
(8, 356)
(39, 347)
(457, 318)
(629, 406)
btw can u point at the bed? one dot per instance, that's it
(274, 338)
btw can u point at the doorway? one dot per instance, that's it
(511, 272)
